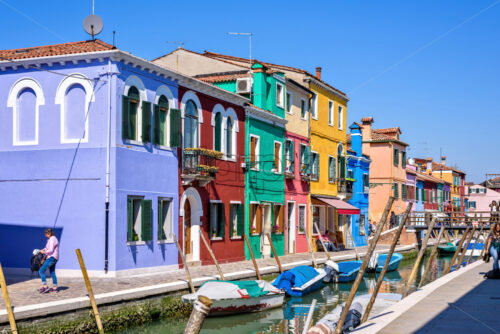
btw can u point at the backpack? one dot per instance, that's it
(493, 274)
(36, 262)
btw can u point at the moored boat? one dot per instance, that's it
(232, 297)
(348, 270)
(449, 248)
(300, 280)
(379, 263)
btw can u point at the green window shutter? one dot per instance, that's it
(232, 207)
(156, 124)
(396, 157)
(291, 155)
(403, 159)
(307, 159)
(424, 195)
(130, 219)
(416, 195)
(161, 231)
(175, 128)
(240, 223)
(146, 122)
(403, 191)
(125, 116)
(147, 220)
(396, 190)
(218, 129)
(342, 167)
(221, 224)
(132, 121)
(211, 219)
(163, 122)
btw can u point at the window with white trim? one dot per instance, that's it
(289, 102)
(302, 218)
(230, 138)
(277, 157)
(303, 108)
(341, 117)
(332, 163)
(235, 220)
(165, 219)
(314, 106)
(330, 113)
(254, 152)
(315, 166)
(280, 95)
(217, 220)
(289, 156)
(139, 219)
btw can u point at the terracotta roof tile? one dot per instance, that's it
(367, 119)
(222, 77)
(388, 130)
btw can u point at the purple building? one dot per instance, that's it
(86, 137)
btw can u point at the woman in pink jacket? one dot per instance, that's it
(51, 252)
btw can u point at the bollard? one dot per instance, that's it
(212, 255)
(251, 255)
(309, 317)
(315, 265)
(386, 264)
(89, 290)
(6, 299)
(183, 258)
(475, 242)
(456, 252)
(419, 258)
(431, 257)
(322, 243)
(465, 249)
(201, 308)
(274, 252)
(362, 269)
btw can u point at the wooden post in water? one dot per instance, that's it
(419, 258)
(201, 308)
(322, 243)
(431, 257)
(475, 242)
(257, 272)
(362, 269)
(459, 246)
(212, 255)
(386, 264)
(184, 262)
(6, 299)
(274, 252)
(90, 292)
(315, 265)
(465, 248)
(353, 243)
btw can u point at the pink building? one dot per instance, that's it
(480, 198)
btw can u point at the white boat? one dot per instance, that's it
(476, 251)
(233, 297)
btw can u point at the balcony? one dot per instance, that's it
(199, 164)
(345, 187)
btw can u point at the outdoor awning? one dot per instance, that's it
(343, 208)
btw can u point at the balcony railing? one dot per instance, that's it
(345, 186)
(199, 164)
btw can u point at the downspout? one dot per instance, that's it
(108, 167)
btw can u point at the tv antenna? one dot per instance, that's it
(179, 44)
(92, 23)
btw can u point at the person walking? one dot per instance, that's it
(493, 246)
(51, 252)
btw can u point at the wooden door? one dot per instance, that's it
(187, 228)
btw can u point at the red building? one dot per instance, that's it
(212, 180)
(430, 191)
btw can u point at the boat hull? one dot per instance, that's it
(348, 270)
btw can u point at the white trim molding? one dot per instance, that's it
(190, 95)
(12, 102)
(62, 89)
(164, 90)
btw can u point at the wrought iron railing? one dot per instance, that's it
(200, 162)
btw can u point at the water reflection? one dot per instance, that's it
(291, 317)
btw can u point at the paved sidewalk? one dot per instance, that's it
(27, 302)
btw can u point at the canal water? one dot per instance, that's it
(291, 317)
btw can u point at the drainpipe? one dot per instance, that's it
(108, 167)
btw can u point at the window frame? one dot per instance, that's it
(303, 109)
(331, 116)
(289, 102)
(278, 169)
(305, 219)
(140, 215)
(169, 216)
(312, 165)
(332, 161)
(166, 130)
(314, 106)
(340, 117)
(239, 208)
(280, 95)
(256, 162)
(220, 208)
(289, 148)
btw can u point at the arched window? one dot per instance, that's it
(26, 118)
(218, 132)
(341, 161)
(229, 138)
(190, 125)
(130, 108)
(73, 127)
(160, 121)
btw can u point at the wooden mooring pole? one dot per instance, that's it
(322, 243)
(201, 308)
(421, 254)
(274, 252)
(362, 269)
(431, 257)
(465, 248)
(184, 263)
(212, 255)
(257, 272)
(6, 299)
(386, 264)
(459, 246)
(90, 292)
(315, 265)
(475, 243)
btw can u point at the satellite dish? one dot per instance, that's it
(92, 25)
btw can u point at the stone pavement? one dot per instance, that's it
(27, 302)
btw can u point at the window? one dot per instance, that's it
(191, 125)
(316, 219)
(341, 161)
(472, 204)
(330, 113)
(139, 219)
(230, 151)
(278, 222)
(341, 117)
(255, 218)
(135, 125)
(289, 156)
(289, 102)
(403, 159)
(217, 220)
(314, 106)
(165, 219)
(315, 166)
(302, 219)
(160, 124)
(218, 132)
(331, 169)
(350, 174)
(254, 152)
(424, 195)
(280, 90)
(303, 108)
(362, 227)
(236, 220)
(366, 182)
(305, 159)
(396, 157)
(395, 190)
(403, 191)
(277, 157)
(417, 195)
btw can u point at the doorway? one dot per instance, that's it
(266, 246)
(187, 231)
(191, 211)
(291, 222)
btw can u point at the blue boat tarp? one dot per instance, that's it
(295, 277)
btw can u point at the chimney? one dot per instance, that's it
(318, 72)
(443, 160)
(429, 166)
(367, 128)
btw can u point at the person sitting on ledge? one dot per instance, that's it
(329, 245)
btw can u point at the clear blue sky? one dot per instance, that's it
(445, 96)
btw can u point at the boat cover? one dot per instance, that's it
(232, 289)
(297, 276)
